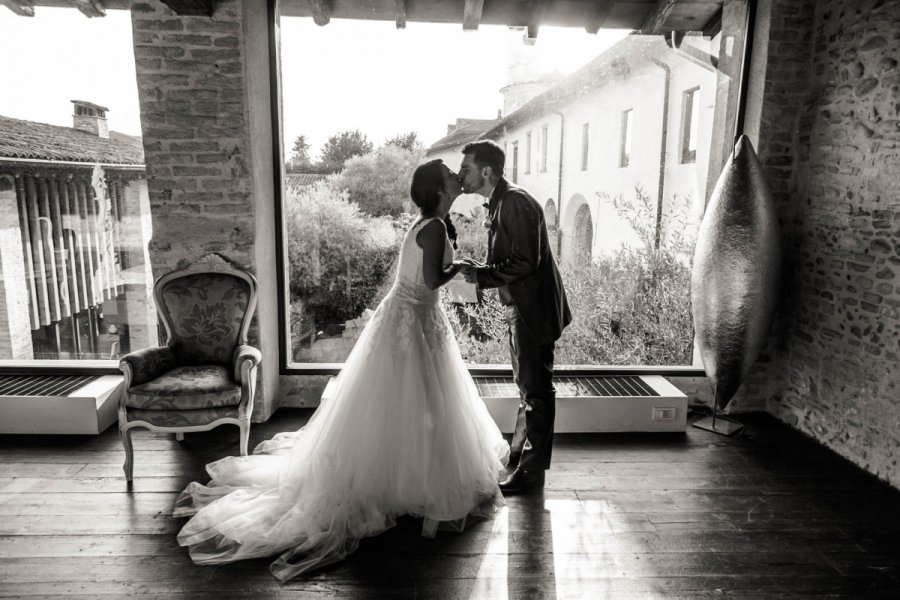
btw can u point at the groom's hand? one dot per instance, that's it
(470, 273)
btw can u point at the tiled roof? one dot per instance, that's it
(303, 179)
(41, 141)
(466, 130)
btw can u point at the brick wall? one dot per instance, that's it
(830, 143)
(193, 91)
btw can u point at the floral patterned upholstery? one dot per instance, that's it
(205, 374)
(206, 310)
(149, 363)
(186, 389)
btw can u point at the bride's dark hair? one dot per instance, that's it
(427, 183)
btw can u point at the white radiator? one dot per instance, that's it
(609, 403)
(46, 403)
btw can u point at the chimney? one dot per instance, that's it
(91, 118)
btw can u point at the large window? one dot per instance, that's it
(75, 277)
(346, 205)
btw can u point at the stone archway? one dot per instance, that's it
(576, 229)
(551, 215)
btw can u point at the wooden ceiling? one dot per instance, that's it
(646, 16)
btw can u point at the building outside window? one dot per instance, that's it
(75, 224)
(343, 232)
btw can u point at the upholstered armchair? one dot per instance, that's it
(205, 375)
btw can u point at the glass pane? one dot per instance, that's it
(623, 237)
(75, 274)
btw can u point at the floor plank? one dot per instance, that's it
(766, 514)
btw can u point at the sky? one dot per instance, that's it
(364, 75)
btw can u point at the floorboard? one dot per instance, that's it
(765, 514)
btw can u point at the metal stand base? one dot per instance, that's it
(719, 425)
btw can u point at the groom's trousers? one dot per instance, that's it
(532, 365)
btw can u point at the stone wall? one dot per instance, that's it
(829, 138)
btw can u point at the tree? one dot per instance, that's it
(407, 141)
(379, 181)
(342, 146)
(300, 152)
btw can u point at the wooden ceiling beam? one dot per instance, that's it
(321, 14)
(89, 8)
(472, 15)
(191, 8)
(23, 8)
(600, 14)
(714, 26)
(400, 9)
(535, 19)
(656, 20)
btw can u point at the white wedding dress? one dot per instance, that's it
(404, 432)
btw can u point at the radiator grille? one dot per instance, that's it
(628, 386)
(42, 385)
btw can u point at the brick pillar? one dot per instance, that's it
(830, 146)
(198, 144)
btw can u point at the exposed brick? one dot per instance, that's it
(827, 134)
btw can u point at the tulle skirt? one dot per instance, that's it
(403, 432)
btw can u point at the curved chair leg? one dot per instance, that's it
(179, 435)
(245, 437)
(125, 434)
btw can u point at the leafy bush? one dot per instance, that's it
(379, 181)
(632, 307)
(337, 256)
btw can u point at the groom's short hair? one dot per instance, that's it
(487, 154)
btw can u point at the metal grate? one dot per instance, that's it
(628, 386)
(43, 385)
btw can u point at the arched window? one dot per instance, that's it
(584, 234)
(551, 216)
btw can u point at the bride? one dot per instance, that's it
(404, 433)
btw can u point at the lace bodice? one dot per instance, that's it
(410, 282)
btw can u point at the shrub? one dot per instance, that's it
(379, 181)
(337, 256)
(632, 307)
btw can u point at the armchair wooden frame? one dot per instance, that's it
(246, 359)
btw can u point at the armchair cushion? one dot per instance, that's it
(149, 363)
(186, 388)
(206, 310)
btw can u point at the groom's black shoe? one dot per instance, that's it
(521, 481)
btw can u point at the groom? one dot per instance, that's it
(521, 266)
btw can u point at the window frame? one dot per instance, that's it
(287, 367)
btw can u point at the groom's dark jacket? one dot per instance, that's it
(520, 263)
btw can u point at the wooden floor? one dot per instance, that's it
(768, 514)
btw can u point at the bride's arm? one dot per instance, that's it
(431, 239)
